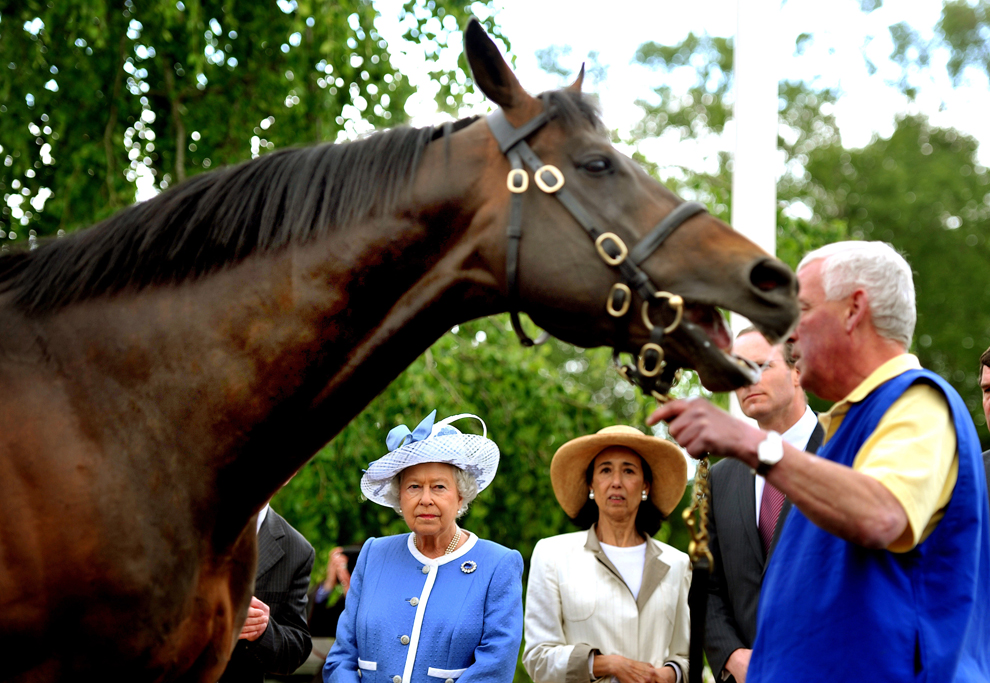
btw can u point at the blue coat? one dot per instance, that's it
(412, 619)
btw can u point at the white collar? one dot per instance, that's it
(261, 517)
(800, 432)
(443, 559)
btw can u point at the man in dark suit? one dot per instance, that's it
(742, 532)
(985, 389)
(275, 638)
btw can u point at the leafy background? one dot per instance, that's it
(99, 94)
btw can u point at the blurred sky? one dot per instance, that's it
(844, 37)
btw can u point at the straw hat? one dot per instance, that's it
(476, 455)
(569, 467)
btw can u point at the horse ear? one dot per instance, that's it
(578, 82)
(489, 70)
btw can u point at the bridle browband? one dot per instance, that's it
(613, 251)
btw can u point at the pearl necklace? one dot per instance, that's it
(450, 546)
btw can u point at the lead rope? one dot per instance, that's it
(696, 519)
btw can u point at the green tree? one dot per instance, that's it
(922, 190)
(96, 92)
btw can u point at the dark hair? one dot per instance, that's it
(985, 360)
(649, 519)
(786, 350)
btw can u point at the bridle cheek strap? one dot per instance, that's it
(518, 182)
(610, 247)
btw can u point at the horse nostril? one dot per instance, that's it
(769, 275)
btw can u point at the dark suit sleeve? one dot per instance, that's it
(286, 643)
(722, 634)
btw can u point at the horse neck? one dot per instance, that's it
(232, 381)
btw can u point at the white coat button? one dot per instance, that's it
(414, 602)
(404, 640)
(359, 673)
(426, 570)
(449, 680)
(396, 679)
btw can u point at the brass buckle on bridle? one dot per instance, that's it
(607, 257)
(675, 301)
(555, 174)
(626, 300)
(517, 175)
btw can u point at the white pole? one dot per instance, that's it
(754, 165)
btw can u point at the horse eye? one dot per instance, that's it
(597, 166)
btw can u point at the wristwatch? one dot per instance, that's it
(769, 453)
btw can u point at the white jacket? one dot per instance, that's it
(577, 602)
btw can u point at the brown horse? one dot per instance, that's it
(164, 372)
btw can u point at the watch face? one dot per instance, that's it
(771, 449)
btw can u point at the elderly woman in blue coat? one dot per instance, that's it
(439, 604)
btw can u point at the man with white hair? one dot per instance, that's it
(882, 570)
(985, 391)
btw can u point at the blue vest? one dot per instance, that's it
(833, 608)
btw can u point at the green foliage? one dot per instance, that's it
(963, 29)
(437, 24)
(705, 107)
(549, 60)
(96, 91)
(922, 189)
(533, 400)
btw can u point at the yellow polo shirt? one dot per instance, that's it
(912, 452)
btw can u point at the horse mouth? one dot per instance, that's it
(712, 324)
(702, 341)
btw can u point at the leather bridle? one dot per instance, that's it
(650, 372)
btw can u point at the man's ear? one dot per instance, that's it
(858, 310)
(488, 69)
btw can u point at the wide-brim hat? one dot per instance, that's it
(569, 467)
(429, 442)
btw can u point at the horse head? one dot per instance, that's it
(590, 267)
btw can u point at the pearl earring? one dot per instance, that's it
(644, 495)
(591, 495)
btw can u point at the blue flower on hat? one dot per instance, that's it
(400, 436)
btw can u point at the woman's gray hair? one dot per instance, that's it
(877, 269)
(467, 488)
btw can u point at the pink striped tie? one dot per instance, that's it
(770, 505)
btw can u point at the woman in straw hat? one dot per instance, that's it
(438, 604)
(611, 601)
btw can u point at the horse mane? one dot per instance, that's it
(219, 218)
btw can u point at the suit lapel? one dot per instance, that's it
(746, 500)
(654, 569)
(815, 442)
(270, 548)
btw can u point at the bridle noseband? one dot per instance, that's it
(650, 372)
